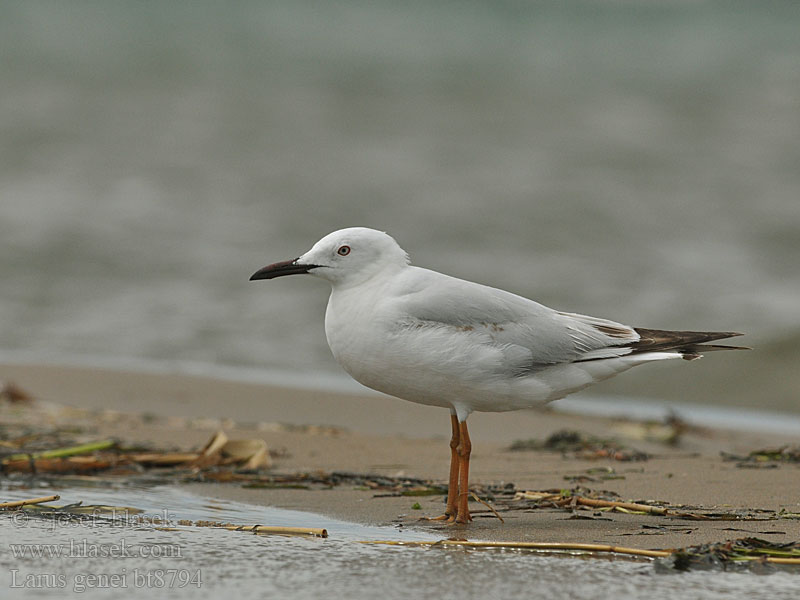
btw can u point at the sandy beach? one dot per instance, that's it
(311, 431)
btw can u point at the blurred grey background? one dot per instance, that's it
(633, 160)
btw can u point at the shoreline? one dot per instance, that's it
(730, 417)
(326, 431)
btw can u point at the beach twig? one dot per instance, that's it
(542, 546)
(487, 505)
(57, 465)
(776, 560)
(315, 531)
(574, 500)
(653, 510)
(16, 503)
(162, 458)
(557, 546)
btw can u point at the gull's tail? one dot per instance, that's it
(689, 344)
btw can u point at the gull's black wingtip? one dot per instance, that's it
(690, 343)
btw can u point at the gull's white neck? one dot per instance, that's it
(358, 307)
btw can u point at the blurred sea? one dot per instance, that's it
(633, 160)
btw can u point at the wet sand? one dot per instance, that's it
(317, 431)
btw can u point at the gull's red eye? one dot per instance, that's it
(343, 250)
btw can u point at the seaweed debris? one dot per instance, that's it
(581, 498)
(383, 486)
(34, 454)
(576, 444)
(59, 455)
(668, 431)
(745, 554)
(603, 501)
(765, 458)
(14, 394)
(63, 455)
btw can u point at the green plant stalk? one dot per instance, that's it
(64, 452)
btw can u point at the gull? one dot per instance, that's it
(433, 339)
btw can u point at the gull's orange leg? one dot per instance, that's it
(452, 488)
(464, 448)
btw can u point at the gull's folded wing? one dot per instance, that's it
(501, 318)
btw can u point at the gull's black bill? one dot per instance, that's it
(279, 269)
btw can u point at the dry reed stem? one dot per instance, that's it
(777, 560)
(653, 510)
(15, 503)
(544, 546)
(314, 531)
(565, 501)
(532, 546)
(487, 505)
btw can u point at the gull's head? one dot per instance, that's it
(348, 256)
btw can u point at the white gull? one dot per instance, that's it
(430, 338)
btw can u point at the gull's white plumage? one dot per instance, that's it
(438, 340)
(435, 339)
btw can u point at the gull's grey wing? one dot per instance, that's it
(531, 334)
